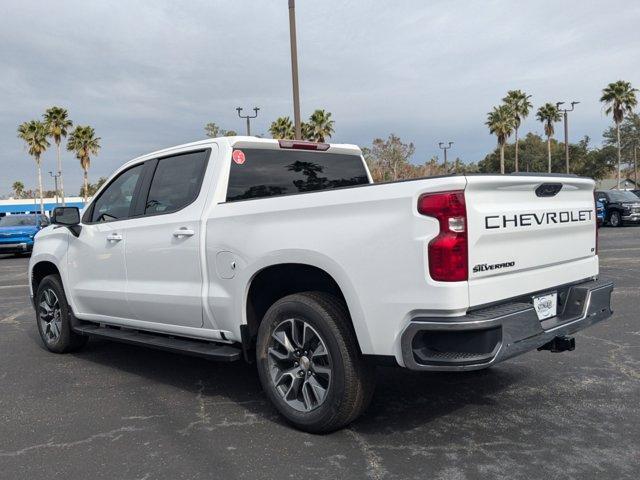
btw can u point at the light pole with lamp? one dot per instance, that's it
(248, 117)
(55, 179)
(441, 146)
(565, 112)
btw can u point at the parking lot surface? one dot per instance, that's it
(115, 411)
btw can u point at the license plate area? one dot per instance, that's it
(546, 306)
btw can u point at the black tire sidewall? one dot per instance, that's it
(65, 340)
(319, 319)
(617, 215)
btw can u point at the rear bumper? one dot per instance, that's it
(20, 247)
(491, 335)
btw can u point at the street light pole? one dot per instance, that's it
(565, 112)
(55, 180)
(442, 147)
(248, 117)
(294, 69)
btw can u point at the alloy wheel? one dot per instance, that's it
(50, 315)
(299, 365)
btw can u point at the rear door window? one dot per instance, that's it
(266, 173)
(176, 182)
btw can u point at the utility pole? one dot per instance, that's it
(445, 148)
(55, 179)
(294, 69)
(566, 111)
(248, 117)
(635, 165)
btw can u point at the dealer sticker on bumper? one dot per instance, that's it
(546, 305)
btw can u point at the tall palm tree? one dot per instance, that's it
(18, 189)
(619, 98)
(548, 114)
(84, 143)
(58, 124)
(501, 123)
(520, 106)
(282, 128)
(34, 134)
(320, 126)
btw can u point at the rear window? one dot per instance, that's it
(266, 173)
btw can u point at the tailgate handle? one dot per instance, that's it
(548, 189)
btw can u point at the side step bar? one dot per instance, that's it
(208, 350)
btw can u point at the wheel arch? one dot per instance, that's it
(277, 280)
(40, 270)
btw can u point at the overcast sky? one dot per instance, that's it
(149, 74)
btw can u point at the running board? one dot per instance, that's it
(208, 350)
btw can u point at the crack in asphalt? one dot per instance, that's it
(114, 435)
(375, 469)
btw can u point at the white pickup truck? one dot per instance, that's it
(286, 254)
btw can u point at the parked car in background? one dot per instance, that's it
(600, 212)
(621, 206)
(17, 232)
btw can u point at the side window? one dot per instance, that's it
(114, 202)
(602, 197)
(176, 182)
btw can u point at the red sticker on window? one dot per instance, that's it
(238, 156)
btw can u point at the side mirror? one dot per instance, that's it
(67, 217)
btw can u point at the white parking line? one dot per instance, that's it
(13, 286)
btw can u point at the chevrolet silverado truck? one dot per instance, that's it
(621, 206)
(286, 254)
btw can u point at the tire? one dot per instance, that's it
(349, 385)
(53, 317)
(615, 220)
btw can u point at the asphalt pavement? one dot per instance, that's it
(114, 411)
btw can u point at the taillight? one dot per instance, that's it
(448, 252)
(303, 145)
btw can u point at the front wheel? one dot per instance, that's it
(309, 363)
(53, 316)
(615, 220)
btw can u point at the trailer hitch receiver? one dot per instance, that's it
(560, 344)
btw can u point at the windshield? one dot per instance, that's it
(18, 221)
(622, 196)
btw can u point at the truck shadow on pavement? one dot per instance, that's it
(403, 399)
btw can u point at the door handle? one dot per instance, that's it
(183, 232)
(114, 237)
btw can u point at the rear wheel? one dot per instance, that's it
(53, 316)
(615, 219)
(309, 363)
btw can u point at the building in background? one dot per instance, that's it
(31, 205)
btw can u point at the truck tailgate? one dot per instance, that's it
(526, 237)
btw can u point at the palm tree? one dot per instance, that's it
(18, 189)
(548, 114)
(320, 126)
(520, 106)
(57, 121)
(282, 128)
(34, 134)
(84, 143)
(501, 123)
(619, 98)
(212, 130)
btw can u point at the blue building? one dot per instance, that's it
(30, 205)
